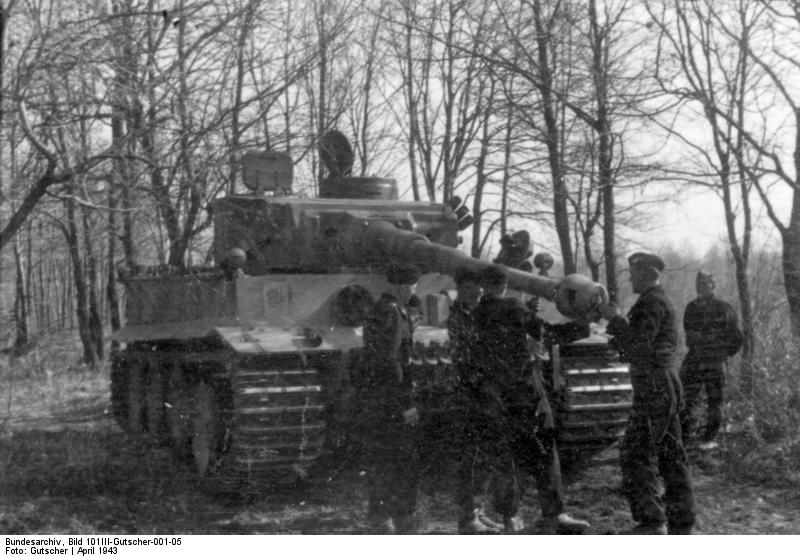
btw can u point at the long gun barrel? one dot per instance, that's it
(575, 296)
(279, 235)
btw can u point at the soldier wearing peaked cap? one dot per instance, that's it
(390, 435)
(712, 335)
(652, 445)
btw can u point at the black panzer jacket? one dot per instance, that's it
(712, 331)
(461, 332)
(501, 329)
(648, 339)
(388, 341)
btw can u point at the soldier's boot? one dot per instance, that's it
(513, 524)
(647, 529)
(562, 524)
(475, 525)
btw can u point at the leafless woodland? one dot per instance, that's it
(122, 119)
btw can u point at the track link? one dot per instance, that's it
(243, 428)
(596, 397)
(276, 430)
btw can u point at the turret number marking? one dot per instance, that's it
(279, 295)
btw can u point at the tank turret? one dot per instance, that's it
(281, 235)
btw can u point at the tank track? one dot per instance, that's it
(590, 390)
(277, 426)
(250, 424)
(594, 395)
(243, 424)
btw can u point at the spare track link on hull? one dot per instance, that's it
(275, 429)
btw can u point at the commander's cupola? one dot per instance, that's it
(337, 156)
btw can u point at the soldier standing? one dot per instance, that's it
(652, 444)
(712, 335)
(390, 434)
(474, 463)
(516, 414)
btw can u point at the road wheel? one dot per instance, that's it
(207, 429)
(136, 402)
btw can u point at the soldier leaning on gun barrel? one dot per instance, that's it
(652, 448)
(390, 427)
(515, 424)
(712, 336)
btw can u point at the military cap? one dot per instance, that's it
(494, 275)
(403, 273)
(543, 261)
(704, 276)
(641, 260)
(466, 274)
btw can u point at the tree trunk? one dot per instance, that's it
(95, 322)
(594, 266)
(605, 152)
(114, 310)
(411, 102)
(560, 196)
(507, 152)
(144, 123)
(118, 183)
(3, 21)
(21, 317)
(791, 239)
(748, 343)
(322, 107)
(191, 179)
(480, 185)
(791, 270)
(81, 297)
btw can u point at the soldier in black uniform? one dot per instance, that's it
(474, 462)
(391, 415)
(652, 445)
(516, 415)
(712, 335)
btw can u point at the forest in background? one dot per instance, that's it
(122, 119)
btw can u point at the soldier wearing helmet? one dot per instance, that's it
(652, 446)
(712, 336)
(388, 397)
(516, 417)
(233, 264)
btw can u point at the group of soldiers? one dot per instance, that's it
(507, 431)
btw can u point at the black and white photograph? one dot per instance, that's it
(359, 268)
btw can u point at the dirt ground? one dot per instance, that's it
(66, 468)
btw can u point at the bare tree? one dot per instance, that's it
(444, 80)
(371, 122)
(45, 55)
(703, 68)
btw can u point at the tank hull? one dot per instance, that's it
(266, 397)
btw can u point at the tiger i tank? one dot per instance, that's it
(246, 369)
